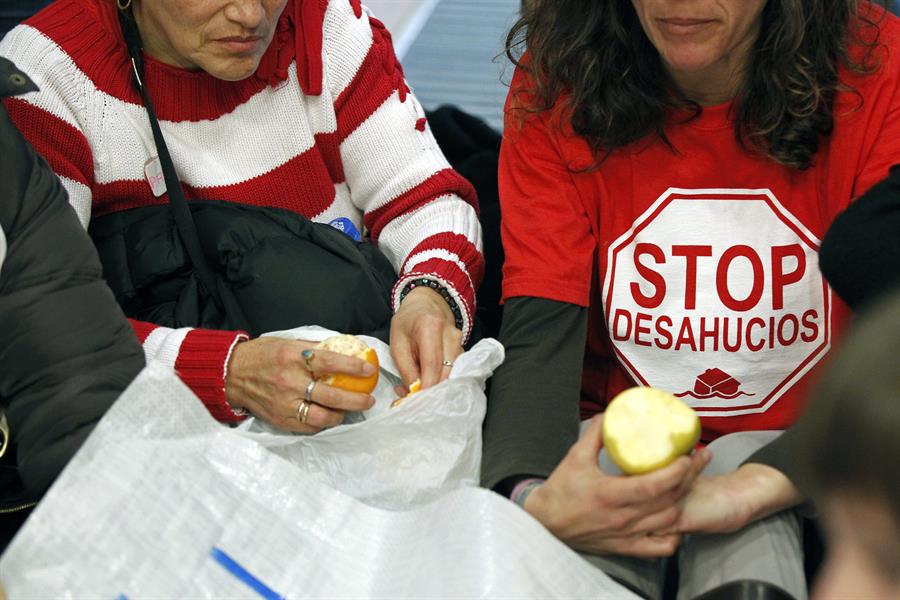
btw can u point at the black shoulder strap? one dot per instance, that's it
(187, 229)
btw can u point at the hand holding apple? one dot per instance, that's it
(645, 429)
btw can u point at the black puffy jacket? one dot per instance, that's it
(66, 349)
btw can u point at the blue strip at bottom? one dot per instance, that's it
(244, 575)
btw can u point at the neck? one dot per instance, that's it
(720, 81)
(709, 89)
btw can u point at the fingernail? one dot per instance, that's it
(368, 369)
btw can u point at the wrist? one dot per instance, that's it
(523, 489)
(231, 397)
(436, 293)
(766, 490)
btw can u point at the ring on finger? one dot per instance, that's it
(308, 355)
(307, 396)
(447, 363)
(303, 411)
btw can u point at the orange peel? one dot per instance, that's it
(414, 387)
(350, 346)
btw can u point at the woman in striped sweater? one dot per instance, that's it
(298, 104)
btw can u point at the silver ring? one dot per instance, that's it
(308, 355)
(309, 390)
(447, 363)
(302, 411)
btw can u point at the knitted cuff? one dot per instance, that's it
(201, 364)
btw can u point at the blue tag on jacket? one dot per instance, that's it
(346, 225)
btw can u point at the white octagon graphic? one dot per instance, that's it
(716, 296)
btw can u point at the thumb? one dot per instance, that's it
(591, 441)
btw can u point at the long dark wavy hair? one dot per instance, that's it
(593, 56)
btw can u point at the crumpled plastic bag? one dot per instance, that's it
(396, 458)
(163, 502)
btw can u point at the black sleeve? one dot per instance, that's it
(860, 254)
(780, 454)
(67, 351)
(532, 413)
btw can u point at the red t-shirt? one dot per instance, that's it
(707, 281)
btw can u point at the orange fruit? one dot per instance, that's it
(350, 346)
(414, 387)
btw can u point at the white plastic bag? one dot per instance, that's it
(397, 458)
(163, 502)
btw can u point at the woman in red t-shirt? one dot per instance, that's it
(667, 172)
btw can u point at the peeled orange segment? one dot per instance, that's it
(414, 387)
(645, 429)
(350, 346)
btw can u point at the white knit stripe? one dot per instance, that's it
(345, 44)
(445, 214)
(341, 207)
(50, 69)
(80, 198)
(387, 156)
(163, 344)
(443, 254)
(238, 146)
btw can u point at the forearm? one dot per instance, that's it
(422, 214)
(532, 417)
(199, 356)
(766, 489)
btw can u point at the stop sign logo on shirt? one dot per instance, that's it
(716, 296)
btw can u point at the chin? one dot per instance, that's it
(690, 58)
(233, 70)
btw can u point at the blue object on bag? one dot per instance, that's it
(346, 225)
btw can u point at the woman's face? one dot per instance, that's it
(864, 551)
(225, 38)
(697, 37)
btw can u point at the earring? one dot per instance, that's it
(123, 5)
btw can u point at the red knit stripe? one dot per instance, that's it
(457, 244)
(301, 185)
(367, 91)
(329, 145)
(446, 181)
(61, 145)
(101, 55)
(142, 329)
(200, 364)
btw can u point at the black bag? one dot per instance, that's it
(280, 268)
(222, 265)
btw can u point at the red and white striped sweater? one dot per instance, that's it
(333, 137)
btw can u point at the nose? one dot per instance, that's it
(246, 13)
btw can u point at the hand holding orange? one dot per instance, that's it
(350, 345)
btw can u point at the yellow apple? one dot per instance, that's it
(645, 429)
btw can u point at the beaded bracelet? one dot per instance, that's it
(444, 292)
(522, 490)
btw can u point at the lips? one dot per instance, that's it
(683, 26)
(240, 44)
